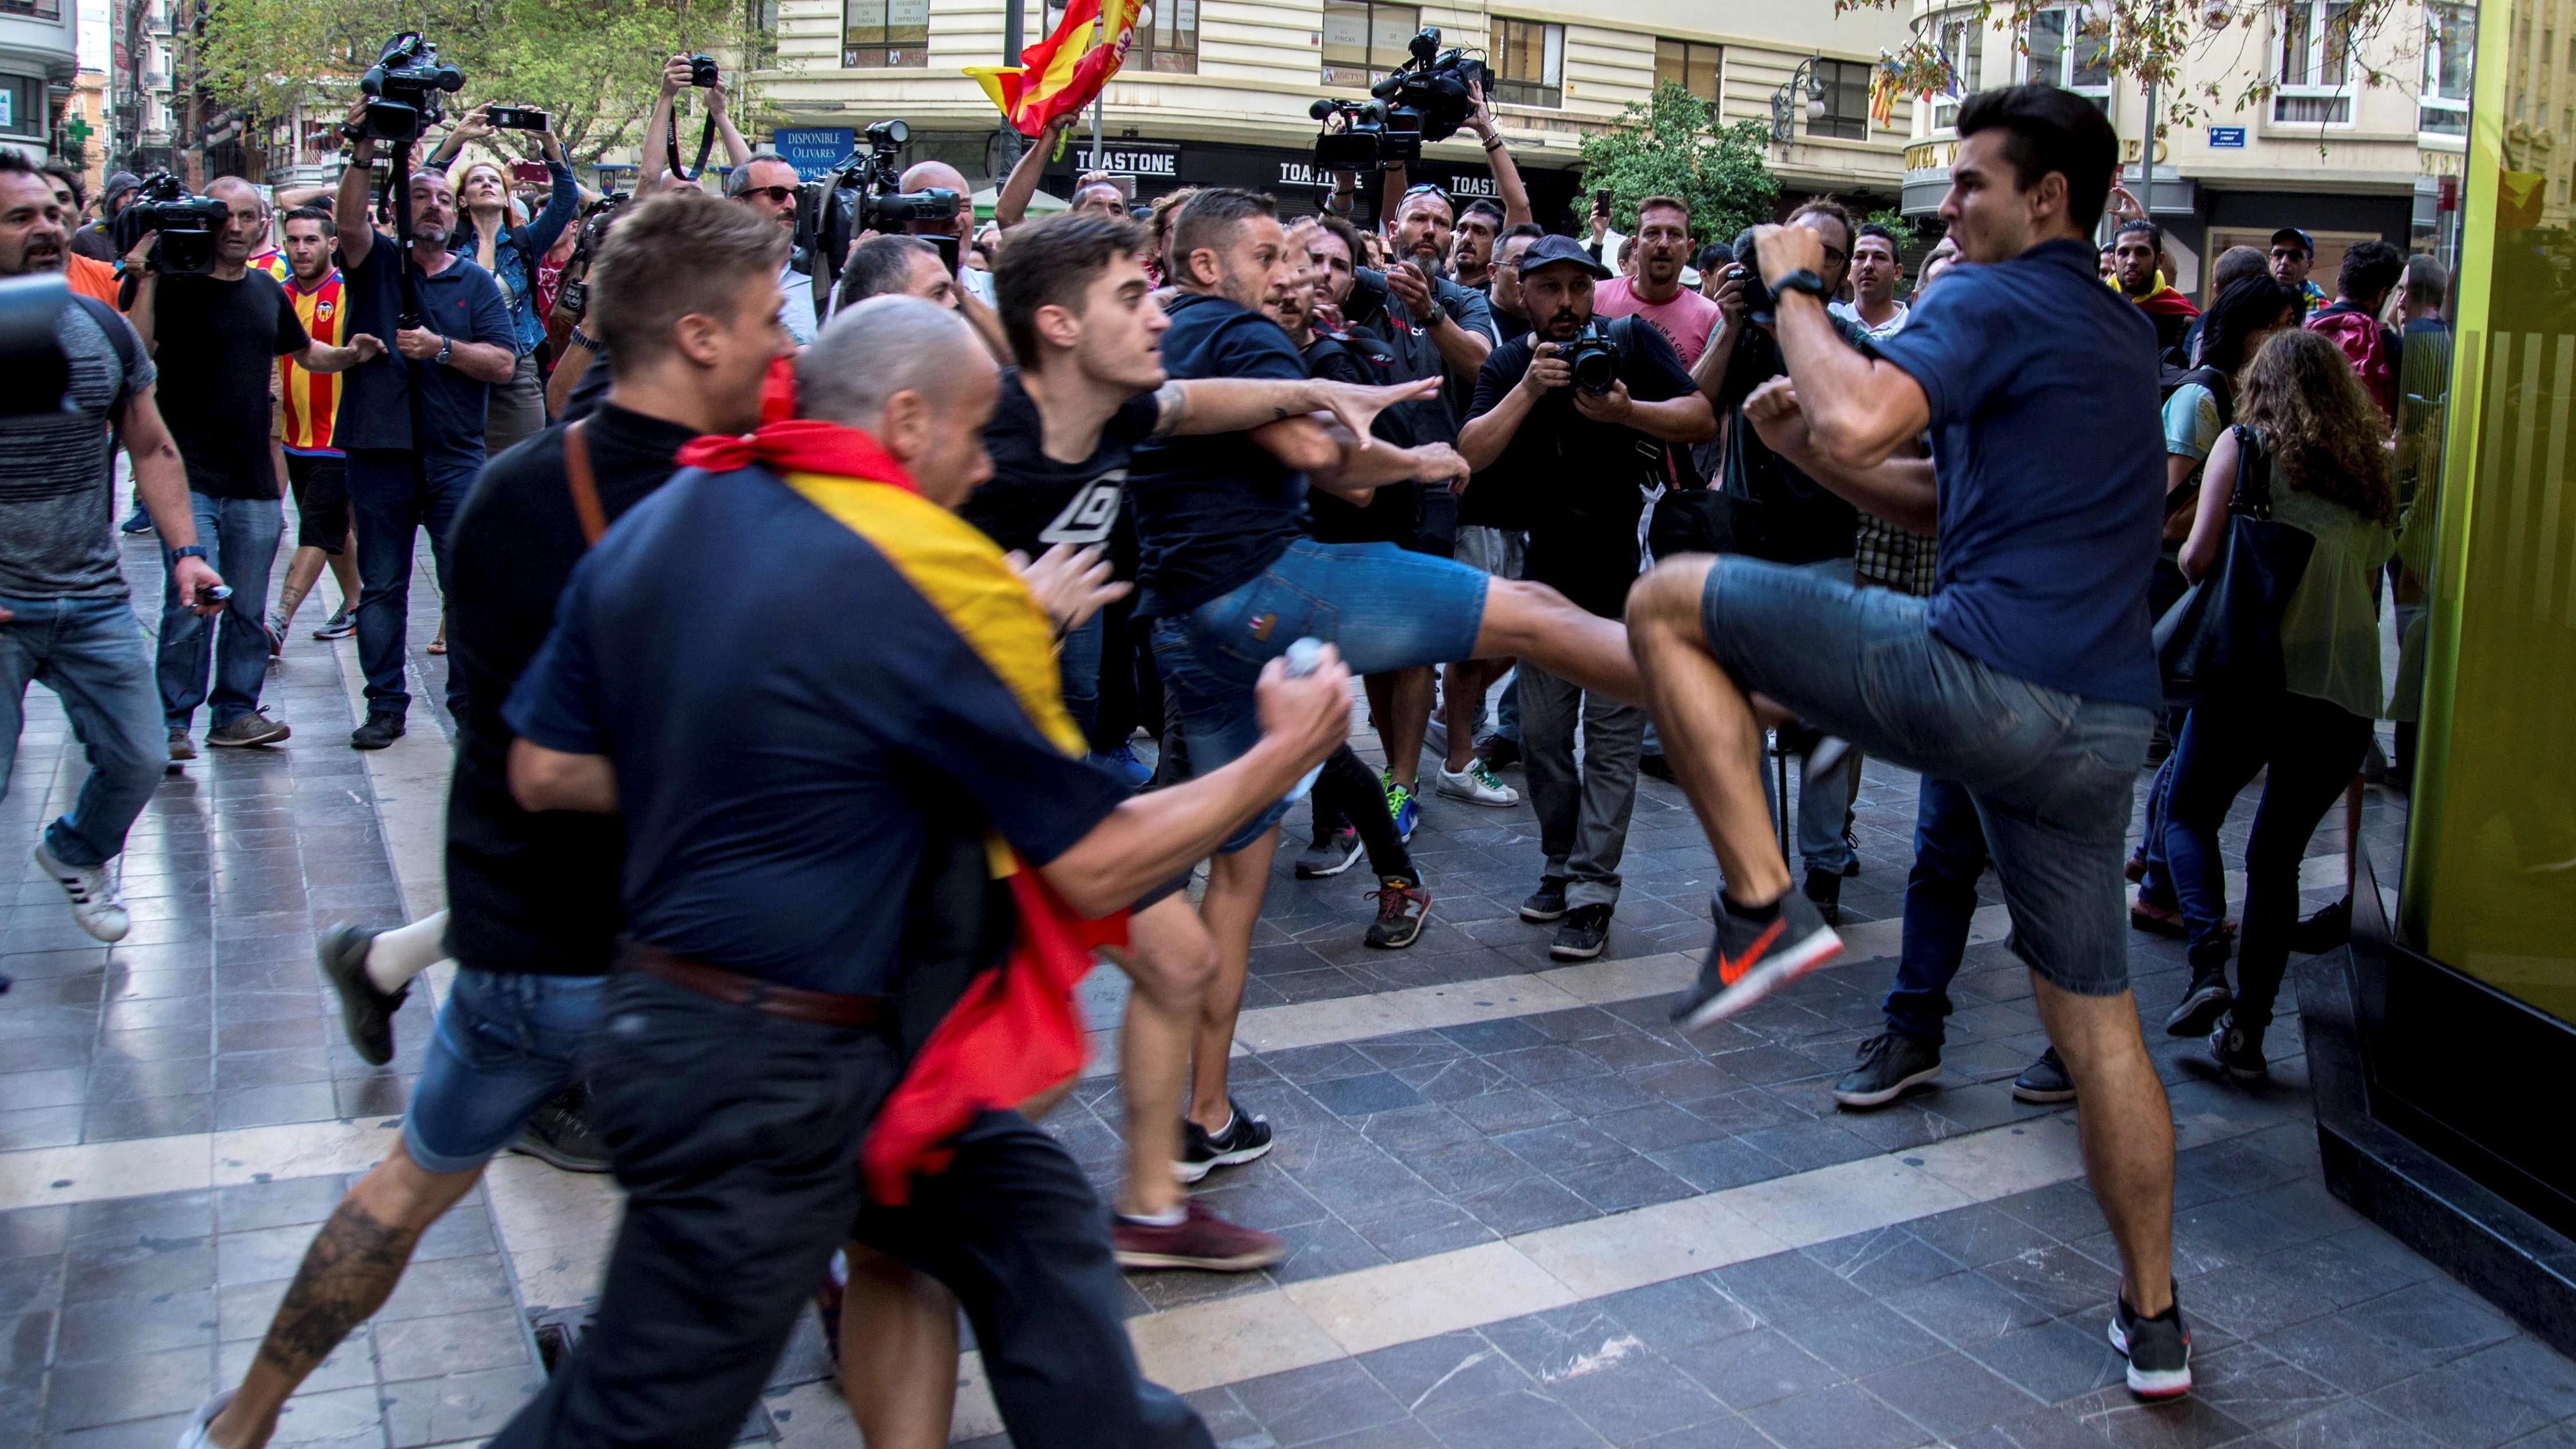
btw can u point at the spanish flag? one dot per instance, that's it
(1060, 74)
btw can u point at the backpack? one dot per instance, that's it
(2184, 502)
(2365, 346)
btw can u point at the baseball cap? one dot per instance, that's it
(1548, 249)
(2292, 233)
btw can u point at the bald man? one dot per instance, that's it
(974, 288)
(225, 329)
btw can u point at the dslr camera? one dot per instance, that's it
(861, 195)
(1594, 358)
(1759, 305)
(573, 297)
(1424, 100)
(186, 226)
(703, 73)
(402, 90)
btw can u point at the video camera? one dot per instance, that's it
(861, 195)
(185, 225)
(1425, 99)
(1594, 358)
(402, 91)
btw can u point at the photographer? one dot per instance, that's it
(1536, 437)
(412, 425)
(761, 180)
(64, 614)
(511, 254)
(1498, 156)
(215, 337)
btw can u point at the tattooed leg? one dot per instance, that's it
(346, 1276)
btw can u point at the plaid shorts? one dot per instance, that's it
(1895, 558)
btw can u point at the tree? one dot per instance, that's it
(1671, 145)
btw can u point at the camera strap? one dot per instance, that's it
(706, 144)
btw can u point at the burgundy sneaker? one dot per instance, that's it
(1402, 907)
(1199, 1240)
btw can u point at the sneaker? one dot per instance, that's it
(1406, 809)
(1500, 751)
(2202, 1004)
(1477, 786)
(1749, 959)
(1888, 1066)
(1851, 861)
(1586, 930)
(1123, 763)
(180, 747)
(194, 1436)
(2044, 1082)
(1245, 1138)
(92, 895)
(340, 625)
(276, 627)
(560, 1135)
(2239, 1051)
(2158, 1350)
(1200, 1240)
(139, 521)
(2324, 931)
(254, 728)
(1547, 903)
(1825, 888)
(1655, 767)
(379, 731)
(366, 1014)
(1402, 908)
(1329, 854)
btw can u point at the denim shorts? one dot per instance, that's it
(1384, 607)
(2053, 775)
(506, 1042)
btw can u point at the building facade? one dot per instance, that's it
(39, 57)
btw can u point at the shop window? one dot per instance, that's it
(1846, 93)
(1529, 63)
(885, 33)
(1364, 41)
(2312, 64)
(2450, 46)
(1167, 36)
(1690, 64)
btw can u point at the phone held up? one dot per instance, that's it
(514, 118)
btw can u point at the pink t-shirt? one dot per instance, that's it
(1687, 321)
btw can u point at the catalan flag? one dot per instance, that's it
(1059, 75)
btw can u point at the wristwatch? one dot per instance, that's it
(448, 345)
(192, 550)
(584, 340)
(1802, 280)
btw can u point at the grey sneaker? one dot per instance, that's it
(2158, 1350)
(1750, 959)
(1889, 1065)
(1547, 903)
(1585, 931)
(180, 747)
(1329, 855)
(339, 626)
(254, 728)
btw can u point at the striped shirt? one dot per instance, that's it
(310, 401)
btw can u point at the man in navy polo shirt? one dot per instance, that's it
(441, 376)
(2027, 677)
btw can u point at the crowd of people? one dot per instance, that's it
(1179, 477)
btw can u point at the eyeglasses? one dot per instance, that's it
(1834, 255)
(778, 195)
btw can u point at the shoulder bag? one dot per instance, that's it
(2223, 636)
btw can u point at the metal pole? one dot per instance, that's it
(1014, 39)
(1099, 37)
(2147, 156)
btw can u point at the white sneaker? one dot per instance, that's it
(1477, 786)
(93, 896)
(194, 1436)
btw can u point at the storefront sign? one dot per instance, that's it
(814, 150)
(1137, 159)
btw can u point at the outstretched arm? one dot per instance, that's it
(1011, 204)
(1859, 409)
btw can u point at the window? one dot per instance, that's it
(1963, 44)
(1846, 94)
(1363, 41)
(2450, 44)
(1167, 36)
(1690, 64)
(22, 105)
(885, 33)
(2313, 63)
(2067, 53)
(1529, 63)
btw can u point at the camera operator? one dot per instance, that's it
(215, 337)
(64, 614)
(511, 254)
(1533, 434)
(762, 180)
(400, 481)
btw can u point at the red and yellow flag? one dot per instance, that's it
(1060, 74)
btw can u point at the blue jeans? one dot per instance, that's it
(1077, 663)
(386, 503)
(1385, 608)
(2051, 775)
(506, 1043)
(93, 655)
(242, 535)
(1940, 900)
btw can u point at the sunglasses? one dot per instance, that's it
(779, 195)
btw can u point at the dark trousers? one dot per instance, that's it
(1940, 899)
(2309, 750)
(1013, 1230)
(1347, 794)
(389, 502)
(736, 1136)
(1117, 716)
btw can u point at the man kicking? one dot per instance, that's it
(2027, 677)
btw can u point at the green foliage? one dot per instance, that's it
(592, 65)
(1899, 225)
(1671, 146)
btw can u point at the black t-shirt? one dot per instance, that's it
(1799, 521)
(1577, 484)
(1213, 511)
(1394, 513)
(1032, 502)
(532, 893)
(216, 343)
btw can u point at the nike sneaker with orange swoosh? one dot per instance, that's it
(1751, 959)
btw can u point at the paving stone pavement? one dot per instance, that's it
(1979, 1325)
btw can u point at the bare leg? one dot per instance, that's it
(1534, 622)
(1380, 692)
(301, 572)
(1710, 735)
(1172, 960)
(1463, 688)
(346, 1276)
(898, 1353)
(1236, 884)
(1402, 726)
(2128, 1131)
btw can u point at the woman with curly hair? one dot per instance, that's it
(2306, 421)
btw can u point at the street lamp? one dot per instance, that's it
(1784, 103)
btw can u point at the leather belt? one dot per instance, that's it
(823, 1008)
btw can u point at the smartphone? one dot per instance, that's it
(515, 118)
(215, 595)
(1601, 201)
(532, 173)
(947, 249)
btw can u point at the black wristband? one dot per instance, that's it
(583, 340)
(1802, 280)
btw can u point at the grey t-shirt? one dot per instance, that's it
(57, 534)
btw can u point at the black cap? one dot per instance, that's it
(1551, 249)
(2293, 234)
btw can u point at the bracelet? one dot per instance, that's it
(1495, 142)
(582, 339)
